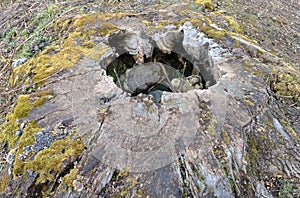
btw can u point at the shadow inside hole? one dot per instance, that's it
(180, 68)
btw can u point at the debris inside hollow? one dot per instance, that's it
(163, 72)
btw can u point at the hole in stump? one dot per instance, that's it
(160, 72)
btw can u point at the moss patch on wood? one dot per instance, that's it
(232, 22)
(205, 3)
(286, 85)
(24, 104)
(81, 30)
(26, 139)
(4, 180)
(48, 162)
(70, 177)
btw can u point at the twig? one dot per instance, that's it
(182, 76)
(167, 77)
(118, 78)
(9, 61)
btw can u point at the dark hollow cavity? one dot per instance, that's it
(125, 72)
(164, 63)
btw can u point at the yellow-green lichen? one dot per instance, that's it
(128, 184)
(27, 137)
(225, 137)
(253, 152)
(270, 123)
(8, 131)
(250, 103)
(206, 114)
(47, 163)
(70, 177)
(205, 25)
(37, 99)
(211, 129)
(289, 128)
(251, 67)
(87, 21)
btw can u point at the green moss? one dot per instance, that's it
(4, 182)
(96, 52)
(206, 3)
(42, 20)
(37, 99)
(26, 139)
(213, 32)
(24, 104)
(233, 24)
(81, 29)
(23, 107)
(47, 163)
(69, 178)
(21, 110)
(11, 33)
(107, 28)
(286, 85)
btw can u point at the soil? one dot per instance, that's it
(274, 24)
(26, 28)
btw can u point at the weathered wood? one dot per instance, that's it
(232, 139)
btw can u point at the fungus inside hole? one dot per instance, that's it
(182, 67)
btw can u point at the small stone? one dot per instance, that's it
(22, 125)
(186, 84)
(77, 185)
(19, 133)
(156, 95)
(194, 79)
(10, 157)
(18, 62)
